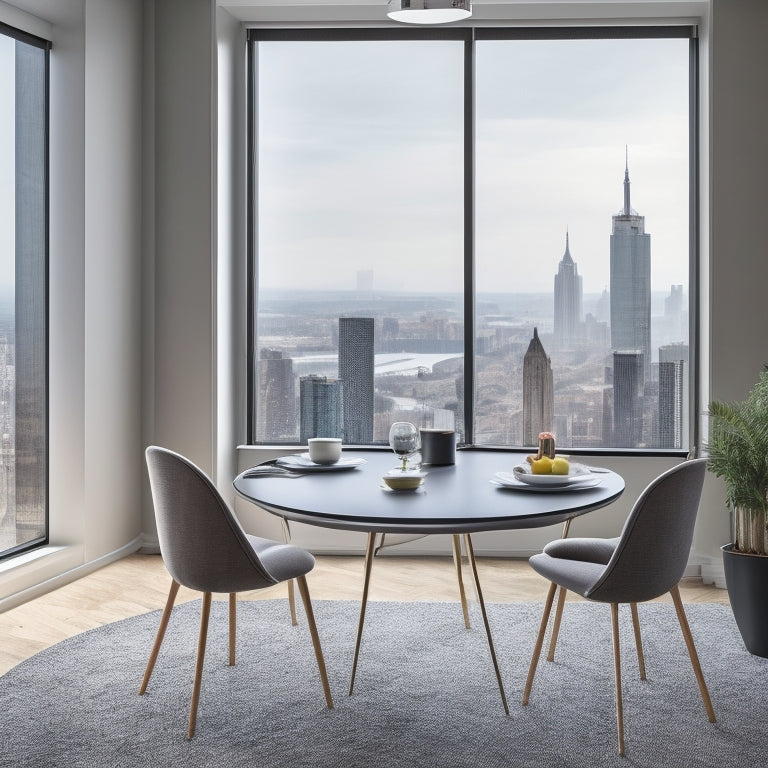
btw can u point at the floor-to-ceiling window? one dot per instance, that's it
(23, 291)
(483, 229)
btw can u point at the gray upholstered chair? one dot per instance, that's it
(205, 548)
(647, 560)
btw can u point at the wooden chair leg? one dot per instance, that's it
(456, 539)
(556, 626)
(174, 590)
(617, 673)
(232, 627)
(205, 613)
(638, 640)
(681, 617)
(291, 592)
(539, 642)
(560, 604)
(304, 591)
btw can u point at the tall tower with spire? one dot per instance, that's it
(631, 281)
(538, 392)
(568, 296)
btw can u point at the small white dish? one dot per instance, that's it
(403, 481)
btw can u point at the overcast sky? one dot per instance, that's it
(361, 162)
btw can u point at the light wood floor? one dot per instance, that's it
(139, 583)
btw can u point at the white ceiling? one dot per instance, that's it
(367, 11)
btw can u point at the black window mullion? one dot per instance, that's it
(694, 324)
(469, 241)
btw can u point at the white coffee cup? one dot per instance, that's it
(324, 450)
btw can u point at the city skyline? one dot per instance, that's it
(616, 376)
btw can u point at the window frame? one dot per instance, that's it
(45, 45)
(471, 34)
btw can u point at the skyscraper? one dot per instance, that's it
(568, 294)
(320, 406)
(627, 399)
(538, 392)
(276, 406)
(356, 361)
(631, 281)
(673, 396)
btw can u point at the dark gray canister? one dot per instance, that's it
(438, 446)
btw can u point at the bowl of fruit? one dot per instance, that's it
(550, 468)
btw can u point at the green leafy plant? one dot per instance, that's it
(738, 453)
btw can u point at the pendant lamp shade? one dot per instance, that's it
(429, 11)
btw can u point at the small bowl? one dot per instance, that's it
(404, 481)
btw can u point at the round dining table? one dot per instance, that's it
(458, 499)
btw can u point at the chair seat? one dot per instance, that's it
(577, 575)
(281, 561)
(587, 550)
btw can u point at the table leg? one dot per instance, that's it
(291, 591)
(369, 550)
(473, 564)
(457, 561)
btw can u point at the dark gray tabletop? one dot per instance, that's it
(453, 499)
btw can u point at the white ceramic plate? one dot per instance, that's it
(578, 474)
(303, 463)
(510, 480)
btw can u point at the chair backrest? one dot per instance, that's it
(202, 543)
(655, 542)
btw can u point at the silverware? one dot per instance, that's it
(270, 471)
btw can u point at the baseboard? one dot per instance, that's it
(67, 576)
(150, 545)
(712, 572)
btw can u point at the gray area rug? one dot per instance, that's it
(425, 693)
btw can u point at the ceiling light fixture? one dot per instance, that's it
(430, 11)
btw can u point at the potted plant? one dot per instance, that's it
(738, 453)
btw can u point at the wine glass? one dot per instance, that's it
(404, 440)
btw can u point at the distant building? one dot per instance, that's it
(320, 407)
(603, 309)
(628, 385)
(356, 366)
(673, 327)
(276, 402)
(568, 299)
(674, 304)
(631, 282)
(538, 392)
(673, 396)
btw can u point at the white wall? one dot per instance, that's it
(182, 364)
(95, 287)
